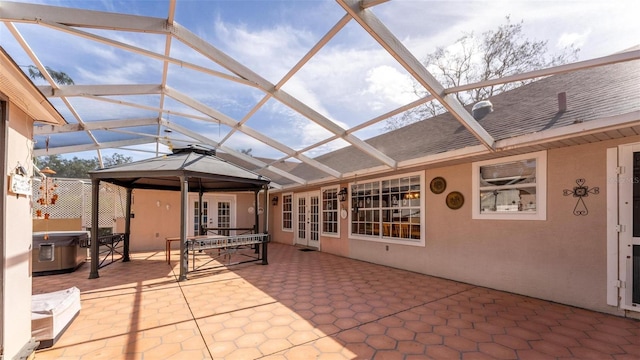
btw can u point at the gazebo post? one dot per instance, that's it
(265, 215)
(95, 197)
(256, 222)
(200, 226)
(184, 203)
(127, 227)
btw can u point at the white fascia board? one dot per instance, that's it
(101, 90)
(20, 12)
(569, 131)
(88, 147)
(389, 42)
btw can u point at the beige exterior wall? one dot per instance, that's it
(561, 259)
(337, 245)
(16, 264)
(157, 217)
(151, 223)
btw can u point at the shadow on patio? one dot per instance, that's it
(308, 305)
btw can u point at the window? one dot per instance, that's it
(287, 212)
(512, 188)
(388, 210)
(330, 207)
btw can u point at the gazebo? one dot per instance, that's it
(195, 169)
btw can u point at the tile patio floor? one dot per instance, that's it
(311, 305)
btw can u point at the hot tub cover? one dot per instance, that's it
(61, 238)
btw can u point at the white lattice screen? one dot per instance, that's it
(74, 201)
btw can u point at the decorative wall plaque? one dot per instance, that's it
(438, 185)
(455, 200)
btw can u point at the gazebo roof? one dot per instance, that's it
(205, 173)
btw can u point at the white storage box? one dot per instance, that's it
(52, 313)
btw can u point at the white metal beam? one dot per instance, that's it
(93, 125)
(141, 51)
(152, 108)
(20, 12)
(389, 42)
(16, 34)
(89, 147)
(560, 69)
(235, 67)
(314, 50)
(101, 90)
(165, 65)
(250, 159)
(224, 119)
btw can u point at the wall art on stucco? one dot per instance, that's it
(581, 191)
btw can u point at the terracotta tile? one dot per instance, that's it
(430, 339)
(320, 306)
(381, 342)
(388, 355)
(460, 343)
(272, 346)
(523, 333)
(587, 354)
(632, 349)
(475, 335)
(512, 342)
(476, 356)
(328, 345)
(442, 352)
(497, 351)
(243, 354)
(533, 355)
(601, 346)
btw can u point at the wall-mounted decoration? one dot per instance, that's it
(581, 191)
(455, 200)
(438, 185)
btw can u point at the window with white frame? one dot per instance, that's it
(388, 210)
(512, 188)
(330, 211)
(287, 212)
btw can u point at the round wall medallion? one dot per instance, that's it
(438, 185)
(455, 200)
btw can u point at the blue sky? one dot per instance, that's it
(349, 81)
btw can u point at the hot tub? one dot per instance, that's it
(62, 252)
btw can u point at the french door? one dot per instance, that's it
(307, 215)
(218, 212)
(629, 216)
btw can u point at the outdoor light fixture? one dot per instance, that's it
(274, 201)
(342, 195)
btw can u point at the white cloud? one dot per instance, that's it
(386, 84)
(574, 38)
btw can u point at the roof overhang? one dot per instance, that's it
(24, 94)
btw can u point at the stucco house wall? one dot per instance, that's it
(562, 258)
(157, 216)
(16, 263)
